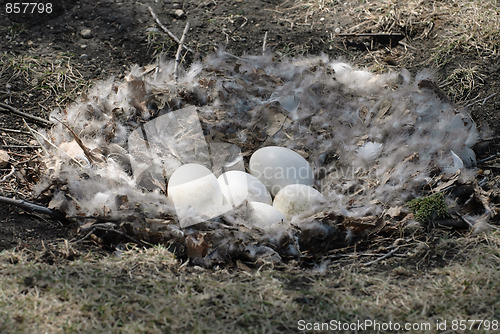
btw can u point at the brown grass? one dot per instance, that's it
(149, 291)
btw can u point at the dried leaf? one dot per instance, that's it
(484, 197)
(4, 159)
(394, 212)
(454, 178)
(196, 245)
(277, 121)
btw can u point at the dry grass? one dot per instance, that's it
(456, 28)
(471, 26)
(149, 291)
(54, 81)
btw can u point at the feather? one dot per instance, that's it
(369, 151)
(374, 147)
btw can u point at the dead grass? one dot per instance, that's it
(56, 79)
(471, 27)
(455, 28)
(149, 291)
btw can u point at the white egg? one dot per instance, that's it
(195, 193)
(278, 167)
(239, 186)
(297, 198)
(264, 216)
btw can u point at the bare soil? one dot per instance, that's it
(124, 33)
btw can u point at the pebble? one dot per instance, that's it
(179, 13)
(4, 159)
(86, 33)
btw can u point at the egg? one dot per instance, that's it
(264, 216)
(278, 167)
(297, 198)
(238, 186)
(195, 194)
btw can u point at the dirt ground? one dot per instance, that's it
(48, 60)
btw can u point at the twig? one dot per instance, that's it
(14, 131)
(8, 175)
(36, 138)
(385, 256)
(406, 45)
(13, 110)
(31, 207)
(380, 34)
(20, 146)
(264, 43)
(107, 227)
(483, 101)
(179, 49)
(89, 155)
(166, 30)
(494, 156)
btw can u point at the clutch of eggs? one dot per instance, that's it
(198, 195)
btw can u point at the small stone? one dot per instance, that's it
(179, 13)
(4, 159)
(337, 30)
(86, 33)
(83, 46)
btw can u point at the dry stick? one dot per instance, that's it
(90, 156)
(107, 228)
(36, 138)
(179, 49)
(20, 146)
(166, 30)
(483, 101)
(8, 175)
(381, 34)
(31, 207)
(264, 44)
(13, 110)
(385, 256)
(14, 131)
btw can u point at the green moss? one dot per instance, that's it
(425, 208)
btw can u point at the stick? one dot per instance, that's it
(31, 207)
(8, 175)
(20, 146)
(13, 110)
(494, 156)
(106, 227)
(14, 131)
(264, 44)
(179, 49)
(381, 34)
(166, 30)
(89, 155)
(382, 257)
(36, 138)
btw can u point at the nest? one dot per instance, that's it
(375, 141)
